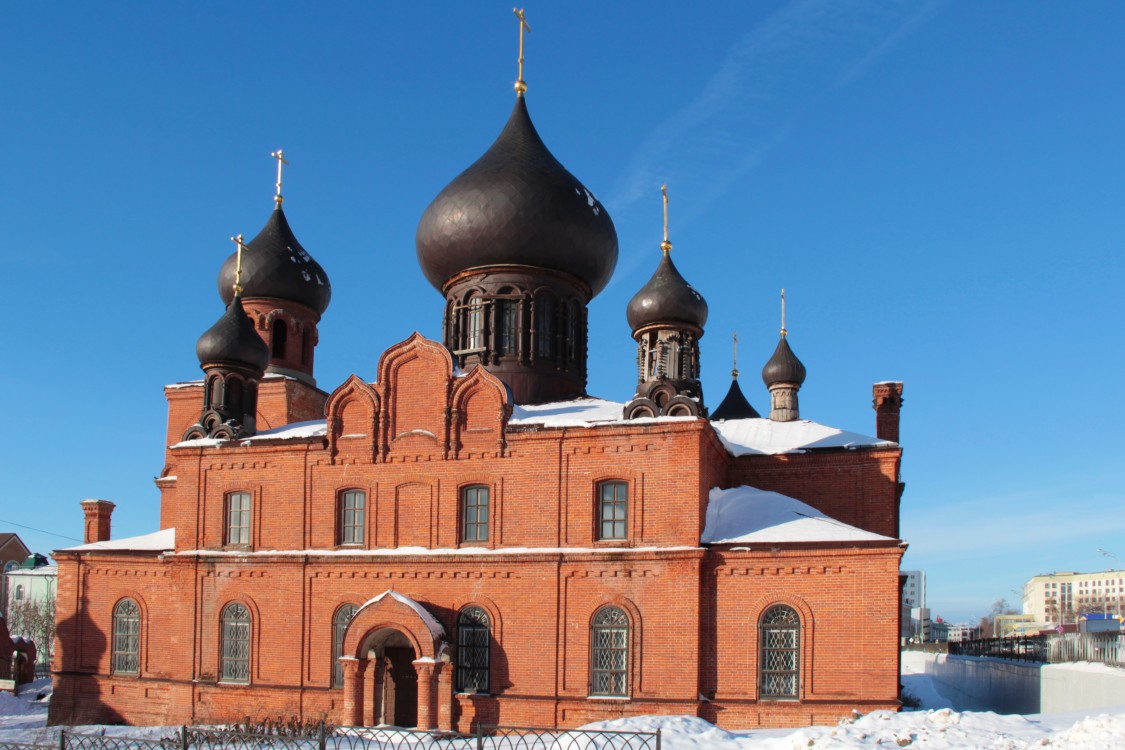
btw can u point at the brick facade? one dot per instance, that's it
(411, 442)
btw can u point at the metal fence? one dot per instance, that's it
(362, 738)
(1106, 648)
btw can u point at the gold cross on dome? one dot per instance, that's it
(280, 156)
(783, 331)
(238, 265)
(666, 246)
(734, 370)
(520, 85)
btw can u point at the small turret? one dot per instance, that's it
(667, 317)
(783, 375)
(233, 359)
(734, 404)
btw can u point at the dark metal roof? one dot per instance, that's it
(233, 339)
(783, 367)
(275, 265)
(735, 405)
(666, 298)
(517, 205)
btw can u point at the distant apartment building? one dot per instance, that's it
(1059, 598)
(914, 590)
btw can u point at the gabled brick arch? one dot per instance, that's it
(353, 394)
(480, 408)
(389, 611)
(414, 384)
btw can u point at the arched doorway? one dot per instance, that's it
(392, 694)
(396, 666)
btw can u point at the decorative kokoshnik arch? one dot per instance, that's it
(392, 611)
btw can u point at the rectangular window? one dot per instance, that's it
(613, 505)
(475, 327)
(352, 515)
(508, 328)
(238, 518)
(545, 327)
(474, 514)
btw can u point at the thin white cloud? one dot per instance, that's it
(747, 108)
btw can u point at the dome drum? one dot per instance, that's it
(527, 328)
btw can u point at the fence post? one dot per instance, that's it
(62, 739)
(657, 739)
(480, 736)
(322, 740)
(183, 737)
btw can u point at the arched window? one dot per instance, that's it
(340, 624)
(571, 331)
(779, 667)
(237, 530)
(508, 341)
(473, 640)
(544, 327)
(609, 653)
(19, 591)
(474, 514)
(126, 637)
(234, 395)
(235, 644)
(278, 339)
(475, 324)
(352, 514)
(613, 510)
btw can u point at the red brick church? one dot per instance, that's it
(471, 538)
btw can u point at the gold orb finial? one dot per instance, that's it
(280, 156)
(238, 266)
(521, 85)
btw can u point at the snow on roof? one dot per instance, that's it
(42, 570)
(158, 541)
(435, 628)
(747, 515)
(295, 431)
(743, 437)
(581, 412)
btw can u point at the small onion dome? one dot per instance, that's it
(666, 298)
(517, 205)
(735, 406)
(275, 265)
(233, 340)
(783, 367)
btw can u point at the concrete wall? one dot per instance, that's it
(1007, 687)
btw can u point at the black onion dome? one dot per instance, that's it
(666, 298)
(233, 339)
(275, 265)
(735, 406)
(783, 367)
(517, 205)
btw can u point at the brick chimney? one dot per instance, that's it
(97, 520)
(887, 402)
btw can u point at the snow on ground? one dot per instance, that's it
(934, 727)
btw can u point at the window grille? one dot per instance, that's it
(126, 637)
(509, 328)
(613, 509)
(340, 624)
(473, 639)
(780, 633)
(353, 505)
(475, 327)
(609, 653)
(474, 514)
(238, 518)
(235, 647)
(545, 327)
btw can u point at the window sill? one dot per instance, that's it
(609, 698)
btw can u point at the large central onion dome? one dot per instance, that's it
(517, 206)
(275, 265)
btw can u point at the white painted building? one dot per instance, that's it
(914, 590)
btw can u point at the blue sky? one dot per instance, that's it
(938, 186)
